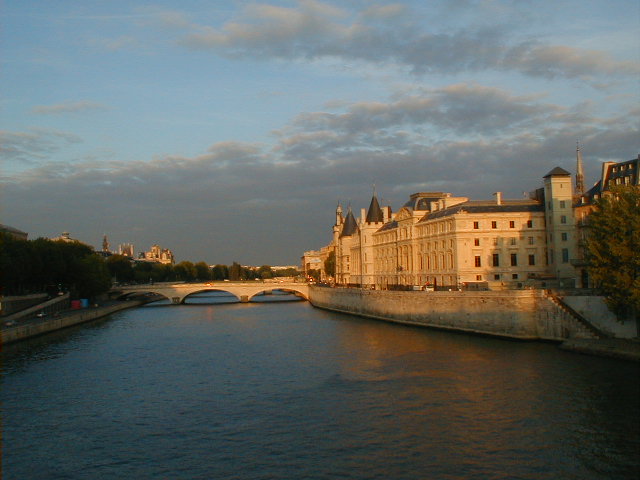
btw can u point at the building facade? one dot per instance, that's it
(440, 241)
(158, 255)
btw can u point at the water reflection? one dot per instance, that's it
(277, 390)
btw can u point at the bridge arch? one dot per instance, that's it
(177, 293)
(210, 289)
(126, 295)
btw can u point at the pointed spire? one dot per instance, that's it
(374, 214)
(339, 214)
(350, 225)
(579, 171)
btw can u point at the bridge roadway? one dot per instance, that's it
(178, 292)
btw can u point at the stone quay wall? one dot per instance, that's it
(518, 314)
(33, 328)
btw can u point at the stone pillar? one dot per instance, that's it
(244, 298)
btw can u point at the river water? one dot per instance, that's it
(285, 391)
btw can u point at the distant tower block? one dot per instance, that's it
(105, 244)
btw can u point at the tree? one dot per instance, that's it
(613, 249)
(120, 268)
(220, 272)
(203, 272)
(330, 264)
(314, 273)
(235, 272)
(93, 277)
(185, 271)
(265, 272)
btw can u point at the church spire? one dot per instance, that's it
(579, 171)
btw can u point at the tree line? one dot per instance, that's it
(43, 265)
(125, 271)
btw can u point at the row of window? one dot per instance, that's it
(494, 224)
(563, 204)
(512, 241)
(495, 260)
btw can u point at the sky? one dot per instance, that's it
(230, 130)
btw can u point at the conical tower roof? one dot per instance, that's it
(374, 214)
(350, 226)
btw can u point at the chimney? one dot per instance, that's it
(498, 198)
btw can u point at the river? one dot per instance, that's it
(280, 390)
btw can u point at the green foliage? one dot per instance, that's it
(265, 272)
(286, 272)
(330, 264)
(120, 268)
(235, 272)
(185, 271)
(30, 266)
(613, 249)
(220, 272)
(93, 276)
(203, 272)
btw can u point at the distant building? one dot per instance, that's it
(312, 260)
(66, 237)
(105, 244)
(158, 255)
(126, 249)
(13, 232)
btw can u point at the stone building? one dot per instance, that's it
(437, 240)
(158, 255)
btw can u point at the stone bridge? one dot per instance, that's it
(178, 292)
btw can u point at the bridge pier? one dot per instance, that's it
(175, 300)
(244, 298)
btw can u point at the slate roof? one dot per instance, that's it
(475, 206)
(350, 226)
(374, 214)
(422, 200)
(388, 226)
(557, 172)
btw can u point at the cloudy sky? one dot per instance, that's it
(229, 130)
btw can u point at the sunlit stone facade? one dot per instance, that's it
(440, 241)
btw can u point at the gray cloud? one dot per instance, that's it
(274, 202)
(314, 30)
(462, 109)
(68, 107)
(34, 144)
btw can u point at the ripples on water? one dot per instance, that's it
(285, 391)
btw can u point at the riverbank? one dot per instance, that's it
(516, 314)
(32, 327)
(621, 348)
(521, 315)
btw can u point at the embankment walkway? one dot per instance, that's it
(32, 327)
